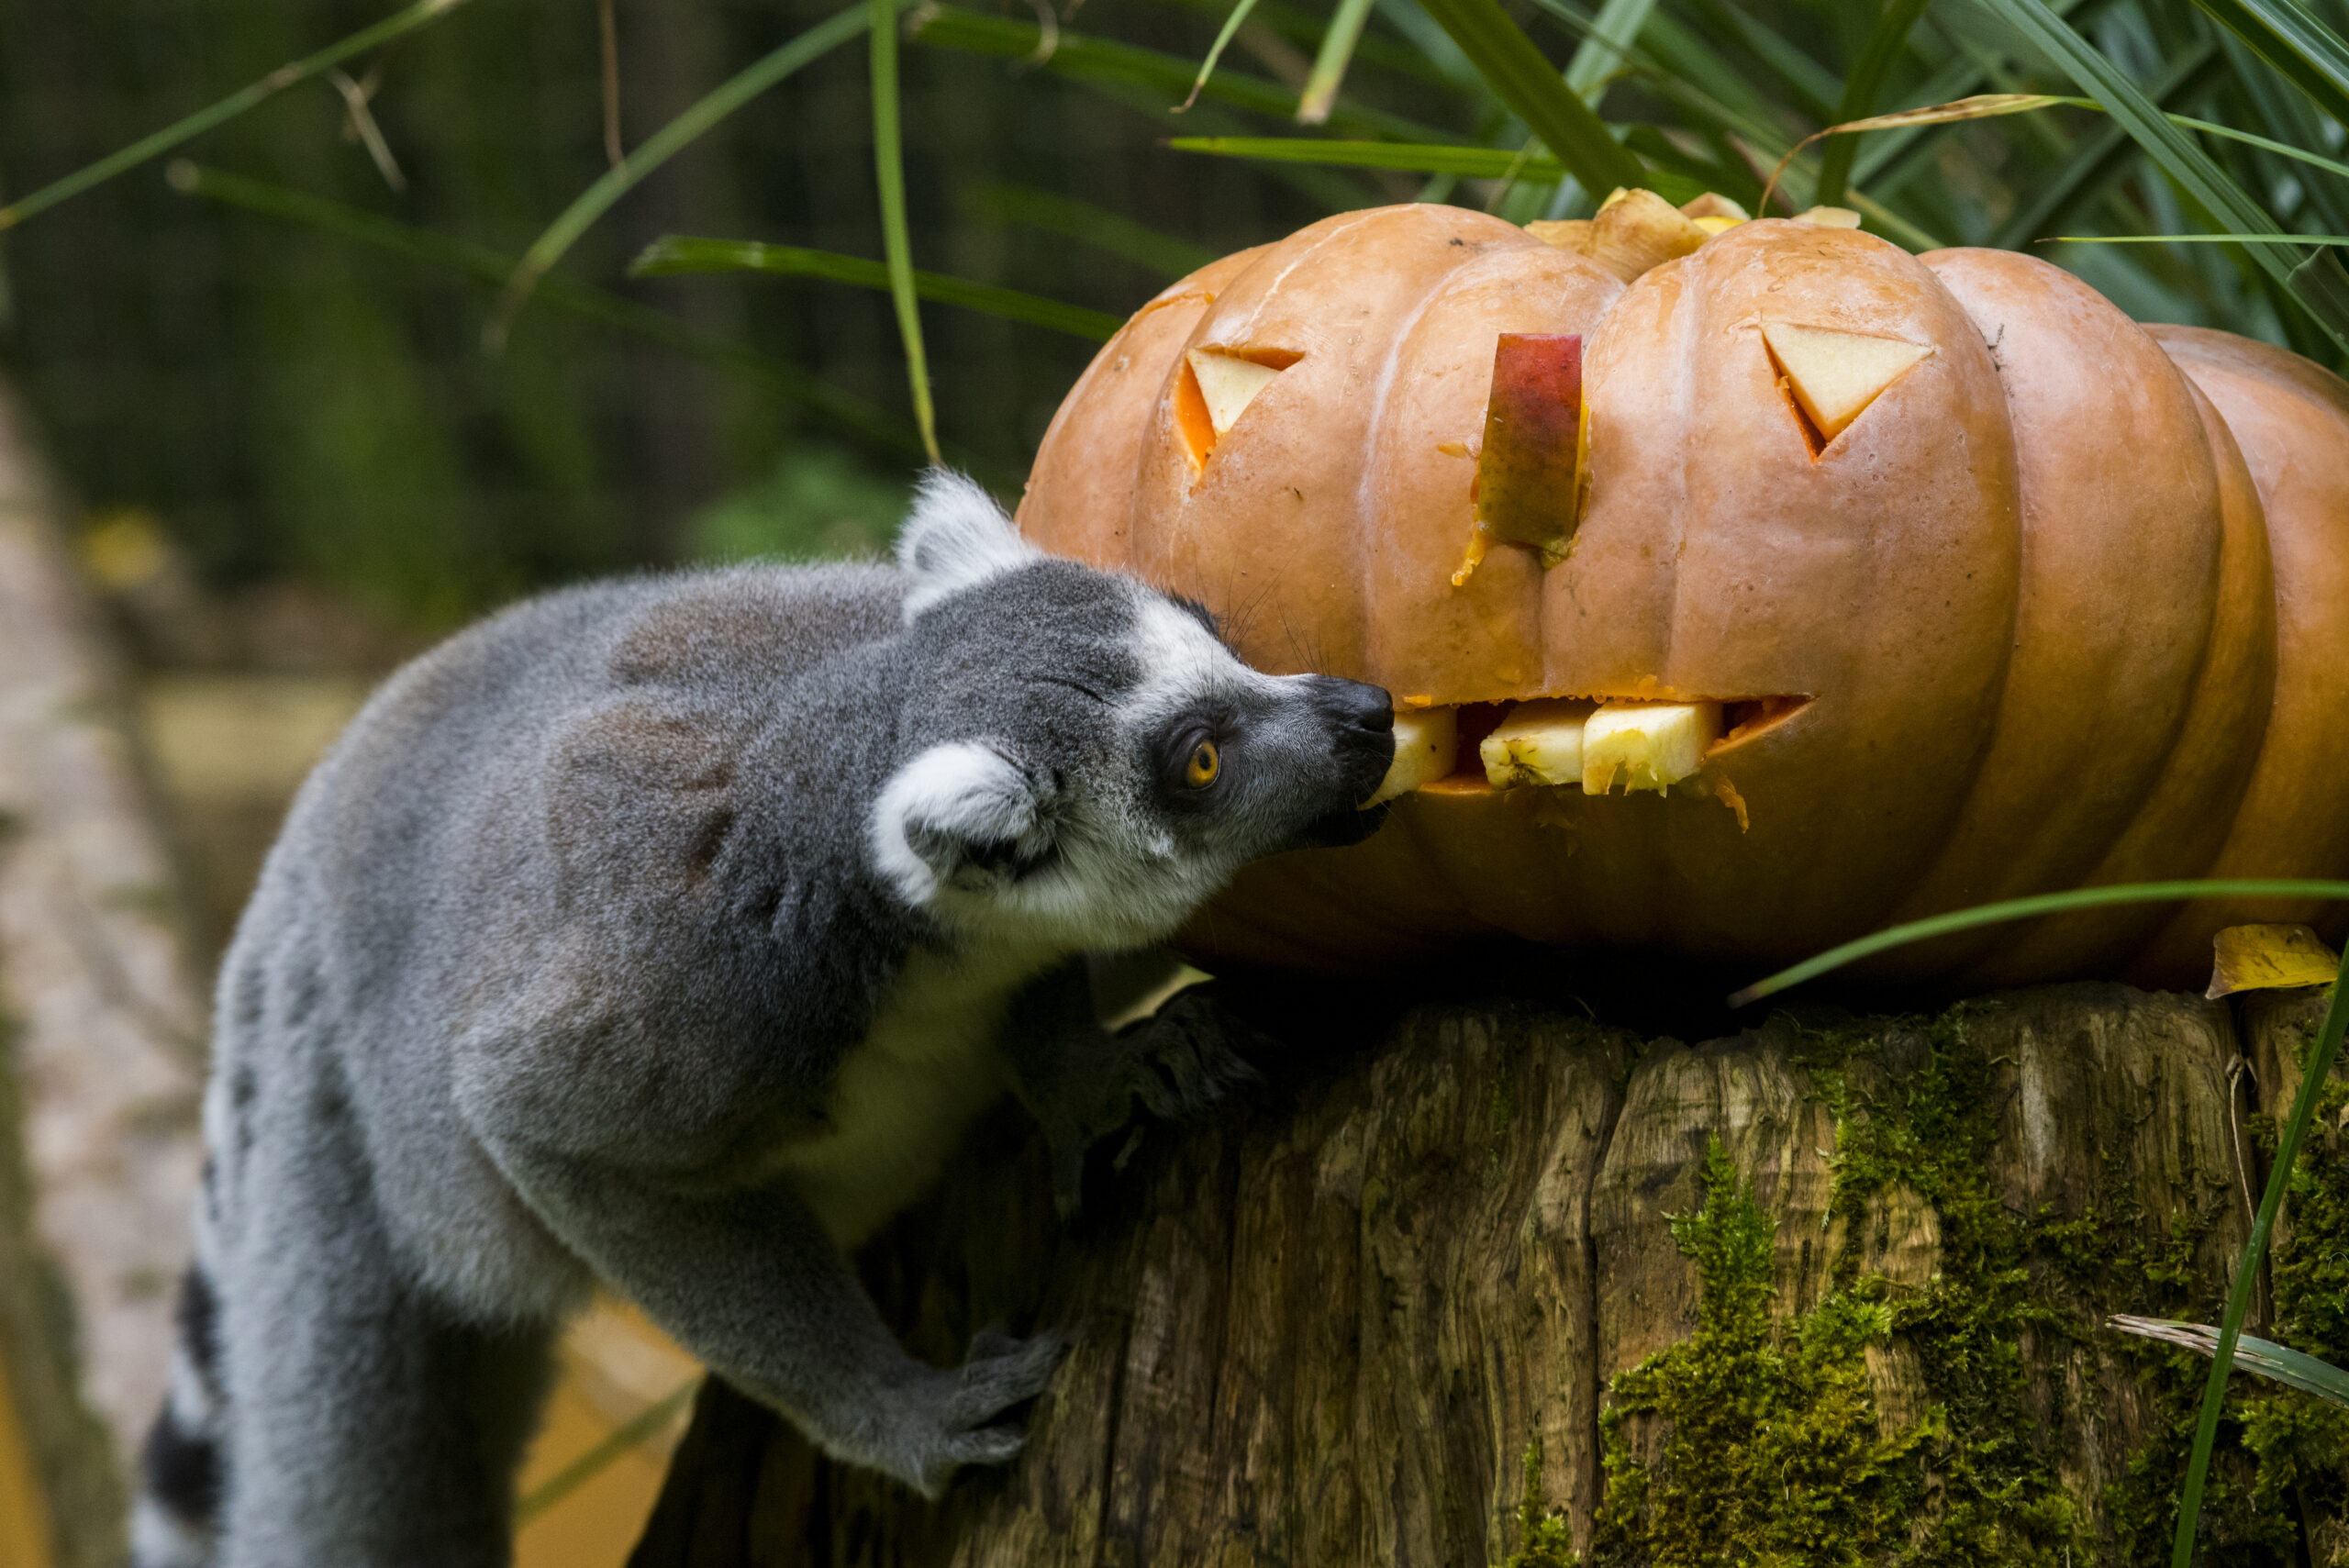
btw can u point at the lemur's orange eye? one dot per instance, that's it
(1203, 766)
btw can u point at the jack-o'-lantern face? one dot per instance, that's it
(1795, 584)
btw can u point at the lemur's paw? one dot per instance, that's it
(960, 1425)
(1186, 1059)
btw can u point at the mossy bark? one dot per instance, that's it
(1828, 1290)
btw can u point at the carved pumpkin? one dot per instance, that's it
(1992, 597)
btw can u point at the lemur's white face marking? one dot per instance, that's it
(1120, 764)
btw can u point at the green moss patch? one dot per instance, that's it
(1758, 1440)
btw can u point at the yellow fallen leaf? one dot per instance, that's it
(2270, 958)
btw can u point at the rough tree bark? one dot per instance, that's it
(100, 1037)
(1327, 1325)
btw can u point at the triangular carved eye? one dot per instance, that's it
(1218, 385)
(1835, 375)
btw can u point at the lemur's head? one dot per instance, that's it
(1086, 762)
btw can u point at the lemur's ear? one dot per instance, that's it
(955, 537)
(961, 815)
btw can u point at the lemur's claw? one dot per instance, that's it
(1186, 1063)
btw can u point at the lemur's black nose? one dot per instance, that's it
(1354, 704)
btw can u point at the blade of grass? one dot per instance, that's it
(676, 254)
(889, 174)
(2195, 240)
(1410, 157)
(1052, 213)
(640, 1427)
(1813, 86)
(2028, 909)
(1606, 52)
(227, 108)
(2295, 1369)
(1528, 85)
(1886, 40)
(1215, 52)
(2167, 145)
(1085, 59)
(2303, 50)
(490, 267)
(2315, 1073)
(1330, 63)
(658, 149)
(1985, 105)
(2104, 154)
(1304, 30)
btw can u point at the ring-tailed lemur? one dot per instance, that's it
(664, 933)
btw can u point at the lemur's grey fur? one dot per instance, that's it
(664, 933)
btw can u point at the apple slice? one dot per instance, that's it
(1228, 384)
(1427, 748)
(1835, 375)
(1527, 470)
(1537, 742)
(1648, 745)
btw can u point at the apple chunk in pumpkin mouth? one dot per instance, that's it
(1595, 745)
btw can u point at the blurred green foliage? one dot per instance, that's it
(296, 401)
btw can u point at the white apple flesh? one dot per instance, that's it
(1538, 742)
(1835, 375)
(1646, 746)
(1227, 385)
(1427, 748)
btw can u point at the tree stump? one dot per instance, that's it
(1831, 1290)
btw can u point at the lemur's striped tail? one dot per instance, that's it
(174, 1523)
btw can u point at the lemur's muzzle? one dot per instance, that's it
(1359, 720)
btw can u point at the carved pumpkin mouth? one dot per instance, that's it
(1597, 745)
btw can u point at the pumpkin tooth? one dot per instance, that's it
(1537, 742)
(1836, 375)
(1653, 745)
(1427, 748)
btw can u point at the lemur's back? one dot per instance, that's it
(364, 934)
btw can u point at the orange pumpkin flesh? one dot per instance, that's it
(2001, 624)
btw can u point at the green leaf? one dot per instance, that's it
(2295, 1369)
(2314, 1074)
(1606, 52)
(1215, 51)
(638, 1428)
(1330, 64)
(1084, 59)
(1886, 42)
(2168, 146)
(658, 149)
(2197, 239)
(491, 267)
(1409, 158)
(2030, 909)
(227, 109)
(889, 174)
(2099, 158)
(1529, 86)
(2303, 50)
(1052, 213)
(676, 253)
